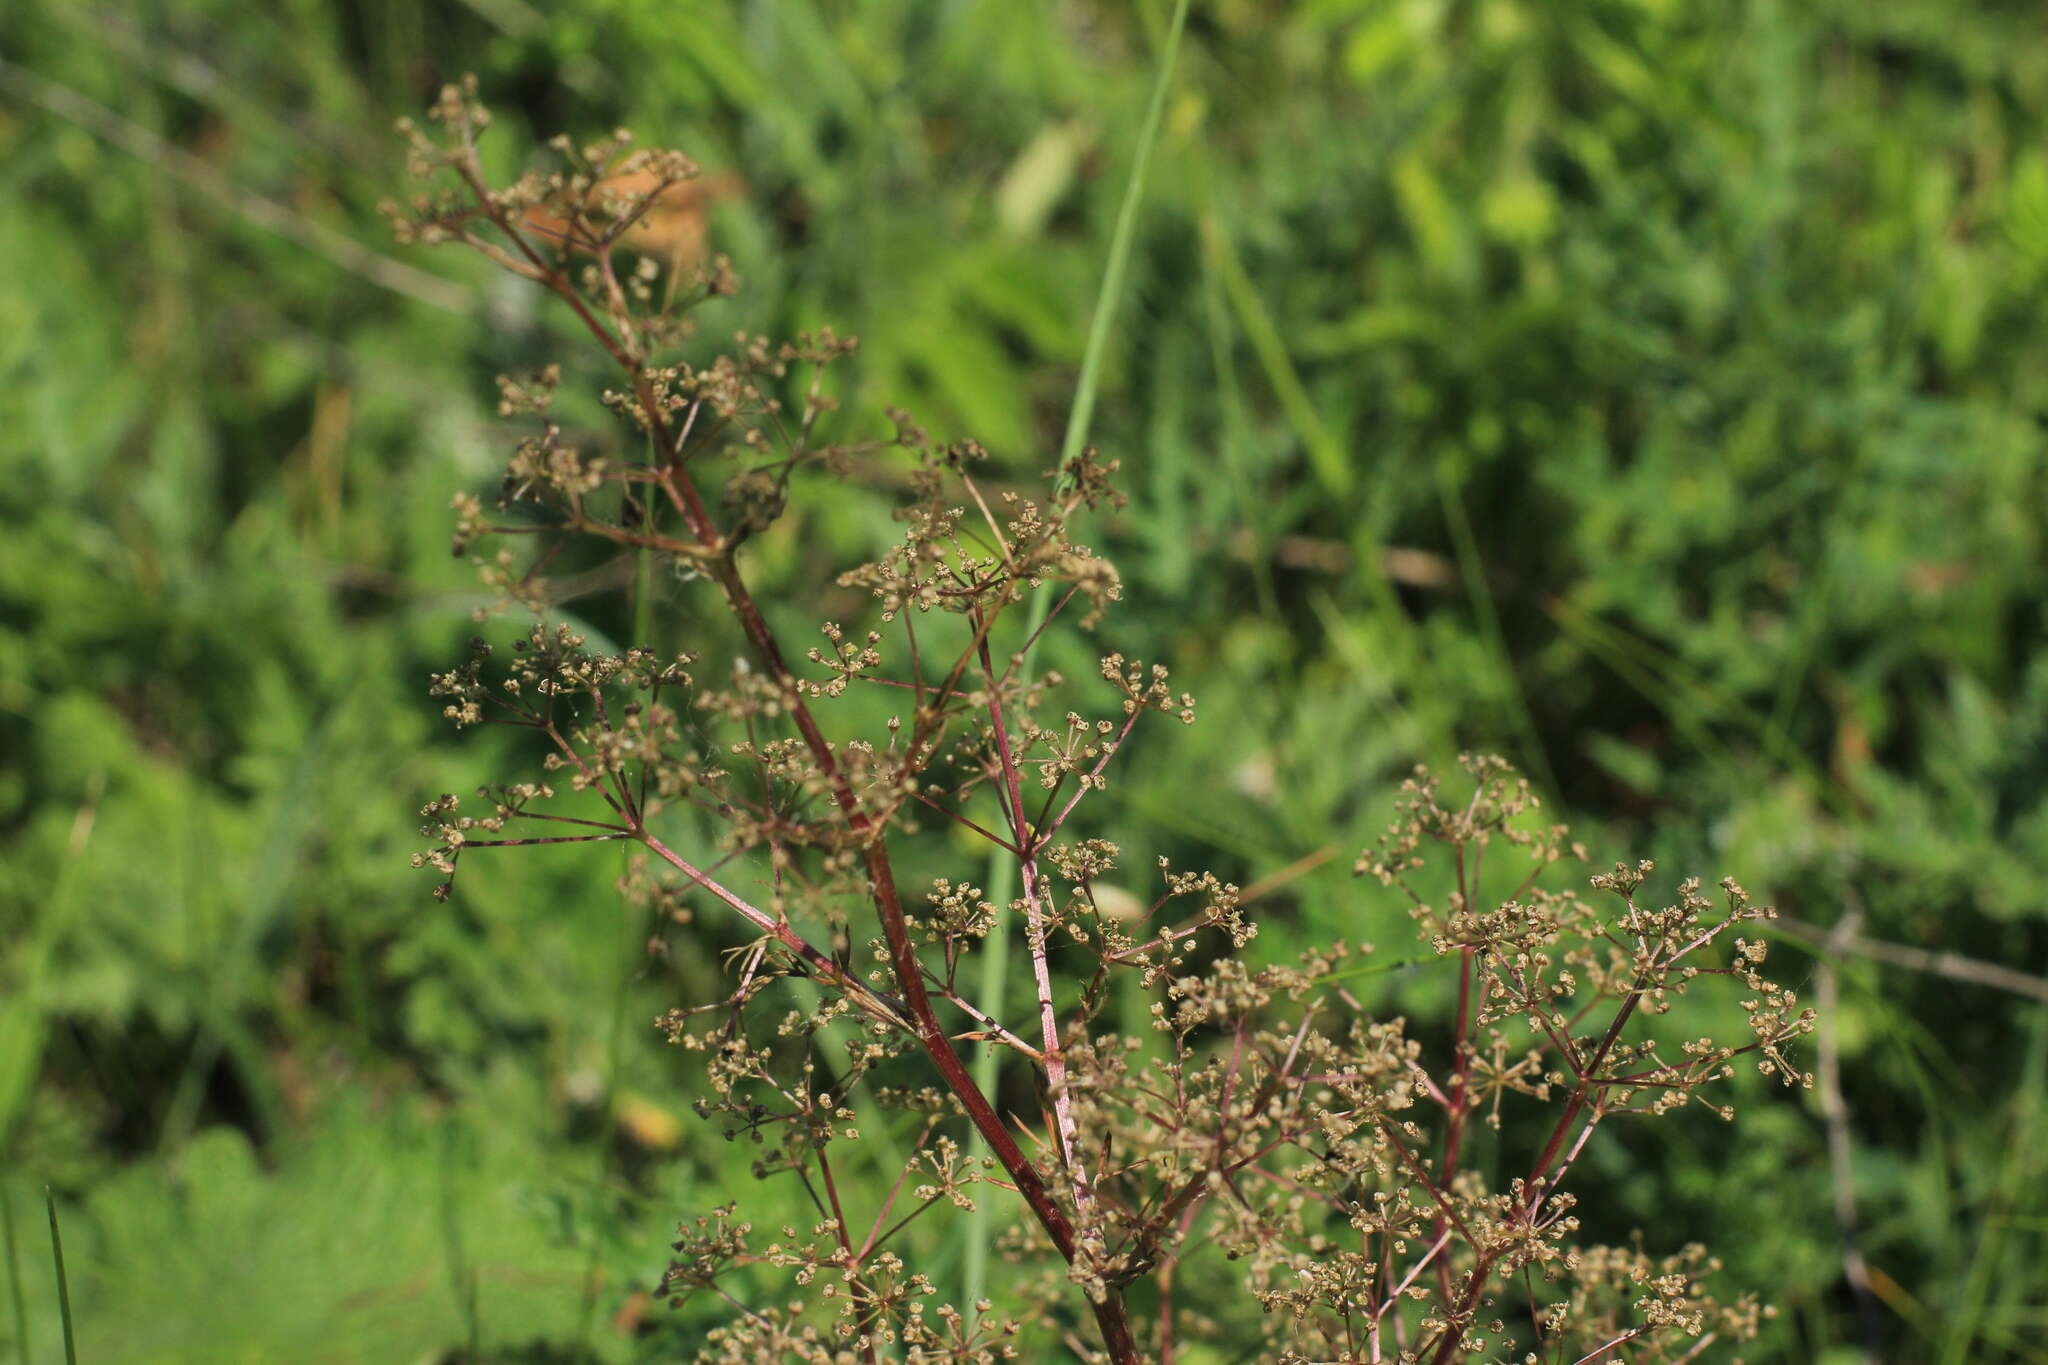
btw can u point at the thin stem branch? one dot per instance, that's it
(1028, 844)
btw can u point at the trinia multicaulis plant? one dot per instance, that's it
(1272, 1166)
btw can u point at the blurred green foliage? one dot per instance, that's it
(1651, 391)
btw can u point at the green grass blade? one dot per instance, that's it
(1472, 567)
(644, 629)
(614, 1069)
(461, 1275)
(1083, 412)
(63, 1284)
(1001, 877)
(1326, 454)
(1970, 1323)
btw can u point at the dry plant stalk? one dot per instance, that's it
(1272, 1161)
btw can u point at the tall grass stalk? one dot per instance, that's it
(63, 1282)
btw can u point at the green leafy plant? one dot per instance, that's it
(1211, 1148)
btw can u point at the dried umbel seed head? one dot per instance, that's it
(1200, 1143)
(667, 220)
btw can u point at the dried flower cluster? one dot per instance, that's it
(1271, 1160)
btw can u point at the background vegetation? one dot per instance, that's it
(1651, 391)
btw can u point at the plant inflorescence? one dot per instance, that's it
(1265, 1158)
